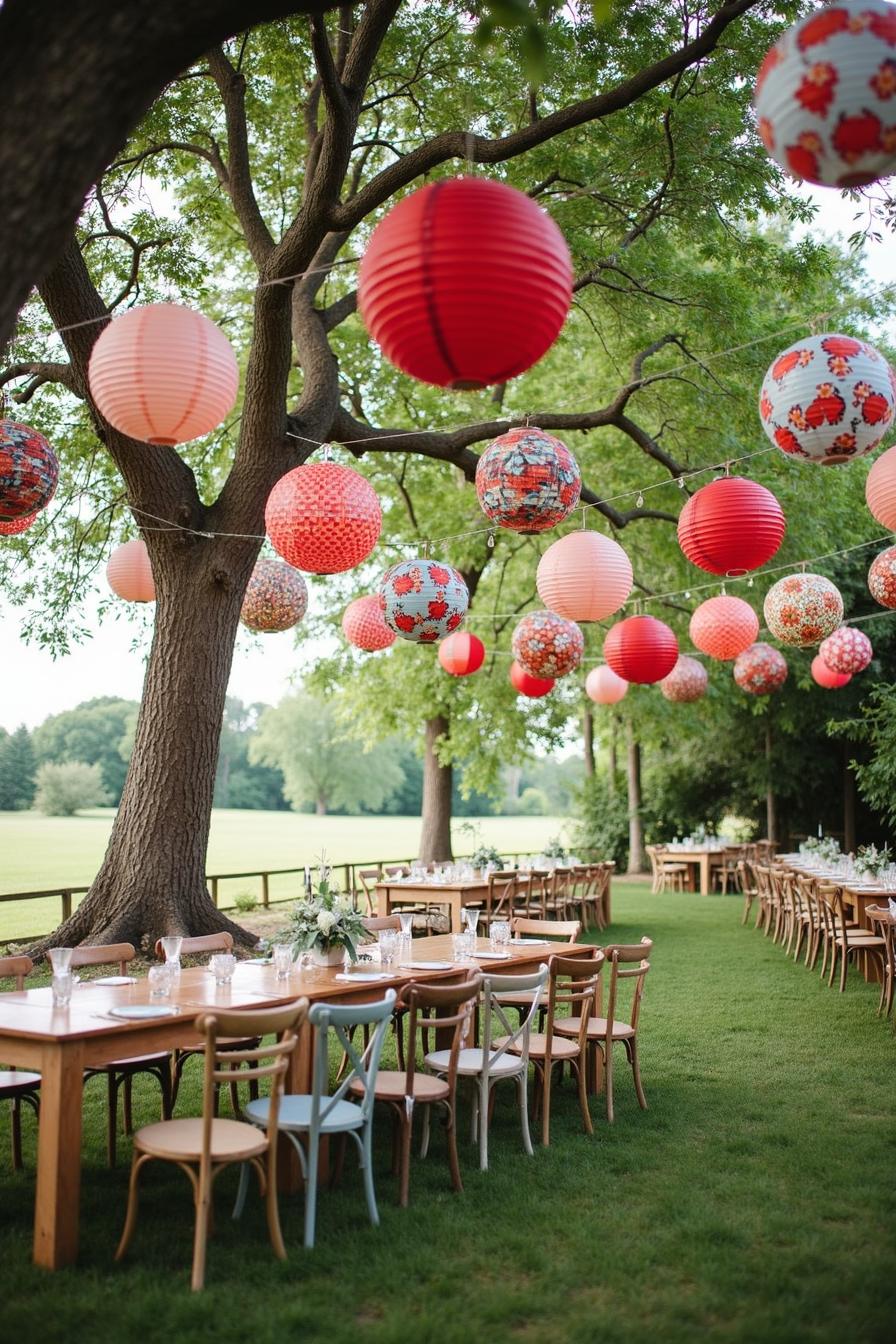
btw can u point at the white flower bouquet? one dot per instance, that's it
(325, 921)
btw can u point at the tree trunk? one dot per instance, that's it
(320, 807)
(435, 833)
(635, 831)
(612, 764)
(849, 804)
(588, 737)
(771, 820)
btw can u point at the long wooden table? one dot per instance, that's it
(392, 893)
(699, 860)
(61, 1043)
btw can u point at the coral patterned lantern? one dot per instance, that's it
(880, 490)
(847, 650)
(760, 669)
(604, 687)
(526, 684)
(163, 373)
(826, 676)
(423, 600)
(28, 471)
(546, 645)
(363, 625)
(882, 578)
(465, 282)
(323, 518)
(686, 682)
(129, 573)
(15, 526)
(827, 399)
(584, 576)
(276, 597)
(641, 649)
(731, 526)
(824, 95)
(461, 654)
(527, 480)
(802, 609)
(724, 626)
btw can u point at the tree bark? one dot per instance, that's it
(612, 763)
(435, 832)
(588, 739)
(849, 804)
(320, 807)
(771, 818)
(635, 830)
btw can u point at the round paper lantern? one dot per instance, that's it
(584, 576)
(461, 654)
(323, 518)
(824, 95)
(527, 480)
(526, 684)
(641, 649)
(724, 626)
(604, 687)
(15, 526)
(827, 399)
(731, 526)
(802, 609)
(465, 282)
(163, 373)
(276, 597)
(882, 578)
(423, 600)
(28, 471)
(363, 625)
(880, 490)
(546, 645)
(826, 676)
(686, 682)
(129, 573)
(847, 650)
(760, 669)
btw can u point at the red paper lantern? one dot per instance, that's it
(641, 649)
(461, 654)
(584, 576)
(847, 650)
(28, 471)
(826, 676)
(604, 687)
(129, 572)
(547, 645)
(686, 682)
(276, 597)
(880, 490)
(882, 578)
(323, 518)
(526, 684)
(527, 480)
(760, 669)
(724, 626)
(731, 526)
(14, 526)
(465, 282)
(363, 625)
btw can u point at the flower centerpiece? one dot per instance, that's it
(324, 922)
(871, 860)
(483, 855)
(556, 849)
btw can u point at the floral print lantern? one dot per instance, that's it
(686, 682)
(724, 626)
(604, 687)
(584, 576)
(825, 676)
(526, 684)
(731, 526)
(882, 578)
(880, 490)
(546, 645)
(824, 95)
(802, 609)
(461, 654)
(641, 649)
(129, 572)
(323, 518)
(15, 526)
(760, 669)
(423, 600)
(28, 471)
(276, 597)
(363, 625)
(847, 650)
(527, 480)
(828, 399)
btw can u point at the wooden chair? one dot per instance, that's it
(885, 926)
(728, 870)
(844, 938)
(595, 893)
(502, 896)
(368, 877)
(203, 1146)
(17, 1086)
(747, 883)
(665, 871)
(375, 923)
(765, 908)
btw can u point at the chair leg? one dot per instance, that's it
(112, 1116)
(406, 1124)
(632, 1047)
(581, 1079)
(200, 1233)
(130, 1218)
(367, 1168)
(451, 1135)
(482, 1116)
(272, 1208)
(546, 1079)
(128, 1098)
(311, 1189)
(242, 1191)
(608, 1071)
(16, 1124)
(522, 1084)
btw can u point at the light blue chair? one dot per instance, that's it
(319, 1114)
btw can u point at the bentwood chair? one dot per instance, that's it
(844, 938)
(368, 877)
(551, 931)
(747, 883)
(17, 1086)
(665, 871)
(205, 1145)
(885, 926)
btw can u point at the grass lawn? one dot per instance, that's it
(753, 1201)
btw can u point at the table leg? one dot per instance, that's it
(383, 906)
(704, 874)
(58, 1194)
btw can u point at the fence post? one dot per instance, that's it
(264, 890)
(66, 905)
(214, 882)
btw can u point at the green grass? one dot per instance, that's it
(753, 1201)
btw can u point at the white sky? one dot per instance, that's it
(33, 685)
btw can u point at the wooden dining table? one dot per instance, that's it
(699, 860)
(392, 893)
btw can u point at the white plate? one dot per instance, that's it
(138, 1012)
(493, 956)
(426, 965)
(534, 942)
(349, 976)
(115, 980)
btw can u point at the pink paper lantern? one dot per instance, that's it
(882, 578)
(129, 573)
(641, 649)
(323, 518)
(826, 676)
(28, 471)
(604, 687)
(880, 490)
(802, 609)
(163, 373)
(461, 654)
(526, 684)
(724, 626)
(13, 527)
(276, 597)
(527, 480)
(760, 669)
(584, 576)
(546, 645)
(363, 625)
(686, 682)
(847, 650)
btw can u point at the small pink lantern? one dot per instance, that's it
(163, 373)
(461, 654)
(527, 480)
(604, 687)
(276, 597)
(760, 669)
(641, 649)
(526, 684)
(686, 682)
(13, 527)
(584, 576)
(423, 600)
(28, 471)
(724, 626)
(826, 676)
(129, 573)
(323, 518)
(802, 609)
(882, 578)
(847, 650)
(880, 490)
(363, 625)
(546, 645)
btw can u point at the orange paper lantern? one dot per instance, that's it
(129, 572)
(604, 687)
(461, 654)
(724, 626)
(526, 684)
(880, 489)
(363, 625)
(323, 518)
(584, 576)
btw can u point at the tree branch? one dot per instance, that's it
(39, 373)
(238, 180)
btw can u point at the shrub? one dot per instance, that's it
(601, 822)
(245, 902)
(63, 790)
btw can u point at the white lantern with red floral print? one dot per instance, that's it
(803, 609)
(847, 650)
(423, 600)
(686, 682)
(547, 645)
(882, 578)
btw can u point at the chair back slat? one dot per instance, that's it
(620, 956)
(374, 923)
(573, 985)
(566, 929)
(104, 955)
(420, 999)
(16, 968)
(194, 947)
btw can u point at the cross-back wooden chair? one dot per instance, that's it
(368, 878)
(764, 910)
(845, 939)
(502, 896)
(884, 925)
(16, 1085)
(747, 883)
(594, 894)
(665, 871)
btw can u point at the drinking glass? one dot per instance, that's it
(283, 960)
(171, 947)
(470, 917)
(60, 959)
(406, 918)
(462, 946)
(388, 943)
(222, 966)
(499, 935)
(62, 987)
(159, 981)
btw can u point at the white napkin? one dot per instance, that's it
(892, 907)
(363, 975)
